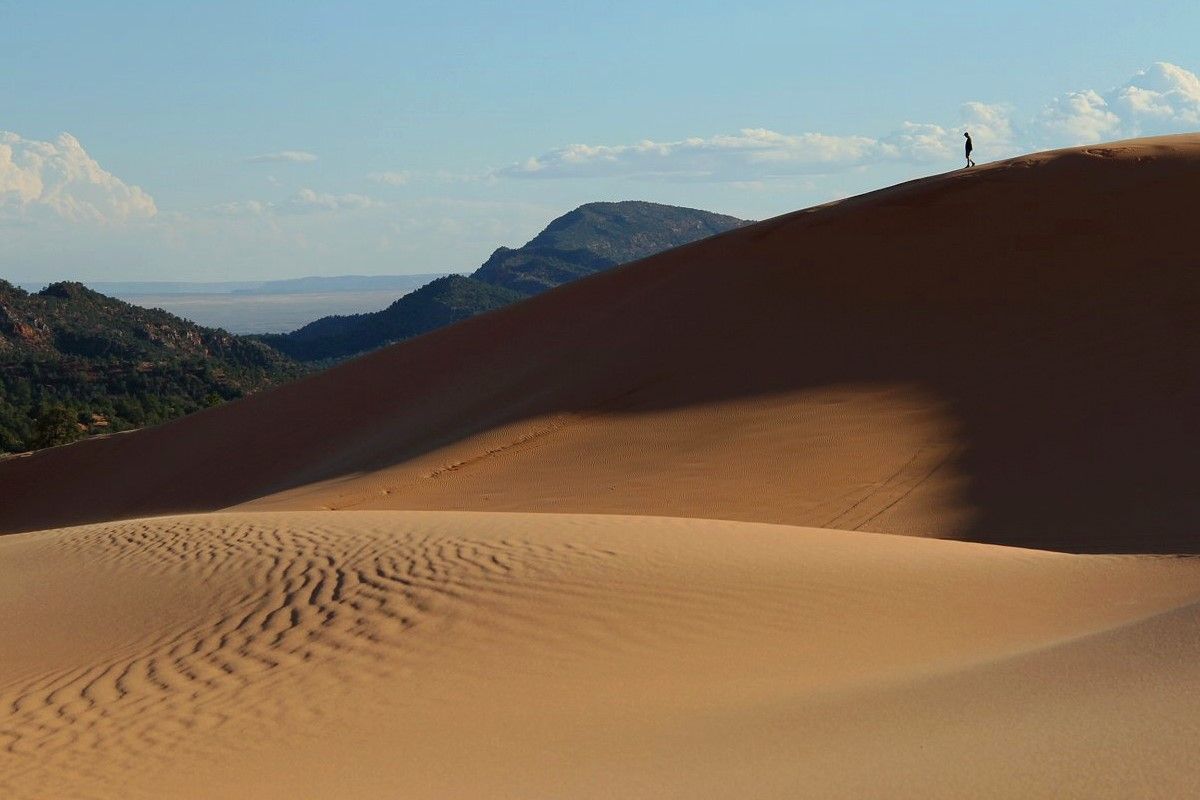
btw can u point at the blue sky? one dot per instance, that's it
(250, 140)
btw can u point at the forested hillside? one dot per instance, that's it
(74, 362)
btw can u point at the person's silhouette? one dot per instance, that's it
(970, 147)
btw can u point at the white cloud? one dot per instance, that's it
(241, 208)
(760, 171)
(920, 141)
(751, 154)
(390, 178)
(1078, 118)
(990, 125)
(61, 180)
(305, 201)
(293, 156)
(755, 154)
(1164, 98)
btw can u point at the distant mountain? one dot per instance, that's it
(597, 236)
(442, 302)
(74, 361)
(591, 238)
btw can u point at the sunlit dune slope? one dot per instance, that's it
(1007, 354)
(449, 654)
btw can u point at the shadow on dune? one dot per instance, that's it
(1050, 302)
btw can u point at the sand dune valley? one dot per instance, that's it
(890, 497)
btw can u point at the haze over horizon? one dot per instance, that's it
(237, 143)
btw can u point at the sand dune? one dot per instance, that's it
(1005, 354)
(443, 654)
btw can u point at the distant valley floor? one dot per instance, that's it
(245, 313)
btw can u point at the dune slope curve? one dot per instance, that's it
(1005, 354)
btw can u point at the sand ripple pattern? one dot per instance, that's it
(285, 595)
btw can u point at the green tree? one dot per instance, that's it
(56, 425)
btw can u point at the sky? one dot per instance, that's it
(252, 140)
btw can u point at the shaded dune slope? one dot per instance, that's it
(1007, 354)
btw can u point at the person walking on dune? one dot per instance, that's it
(970, 147)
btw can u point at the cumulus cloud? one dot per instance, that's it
(991, 126)
(920, 141)
(60, 180)
(390, 178)
(1165, 98)
(1079, 117)
(293, 156)
(756, 154)
(1162, 99)
(749, 155)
